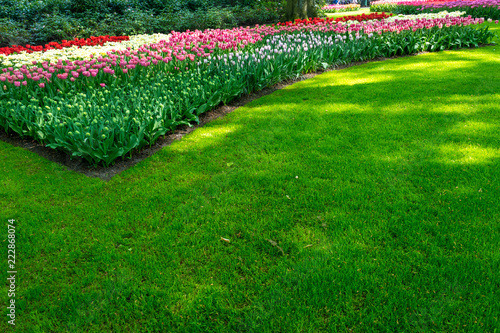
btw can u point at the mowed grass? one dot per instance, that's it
(364, 10)
(364, 199)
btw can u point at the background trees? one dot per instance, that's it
(39, 22)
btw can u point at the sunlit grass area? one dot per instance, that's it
(365, 10)
(364, 199)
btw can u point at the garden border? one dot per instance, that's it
(80, 165)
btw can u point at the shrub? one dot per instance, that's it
(12, 33)
(256, 15)
(133, 22)
(55, 27)
(212, 18)
(102, 6)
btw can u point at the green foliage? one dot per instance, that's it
(317, 10)
(212, 17)
(133, 22)
(12, 33)
(103, 6)
(158, 6)
(55, 26)
(249, 16)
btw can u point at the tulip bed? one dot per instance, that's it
(344, 18)
(442, 14)
(341, 8)
(476, 8)
(106, 106)
(68, 51)
(78, 42)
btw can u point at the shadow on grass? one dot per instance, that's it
(379, 179)
(351, 201)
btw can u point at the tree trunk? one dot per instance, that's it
(297, 9)
(312, 11)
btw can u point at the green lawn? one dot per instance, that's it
(357, 12)
(364, 199)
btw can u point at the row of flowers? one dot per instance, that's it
(107, 41)
(133, 43)
(74, 52)
(79, 49)
(426, 16)
(475, 8)
(78, 42)
(341, 8)
(185, 49)
(104, 107)
(347, 18)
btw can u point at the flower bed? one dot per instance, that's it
(427, 16)
(348, 18)
(341, 8)
(78, 42)
(104, 107)
(77, 52)
(475, 8)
